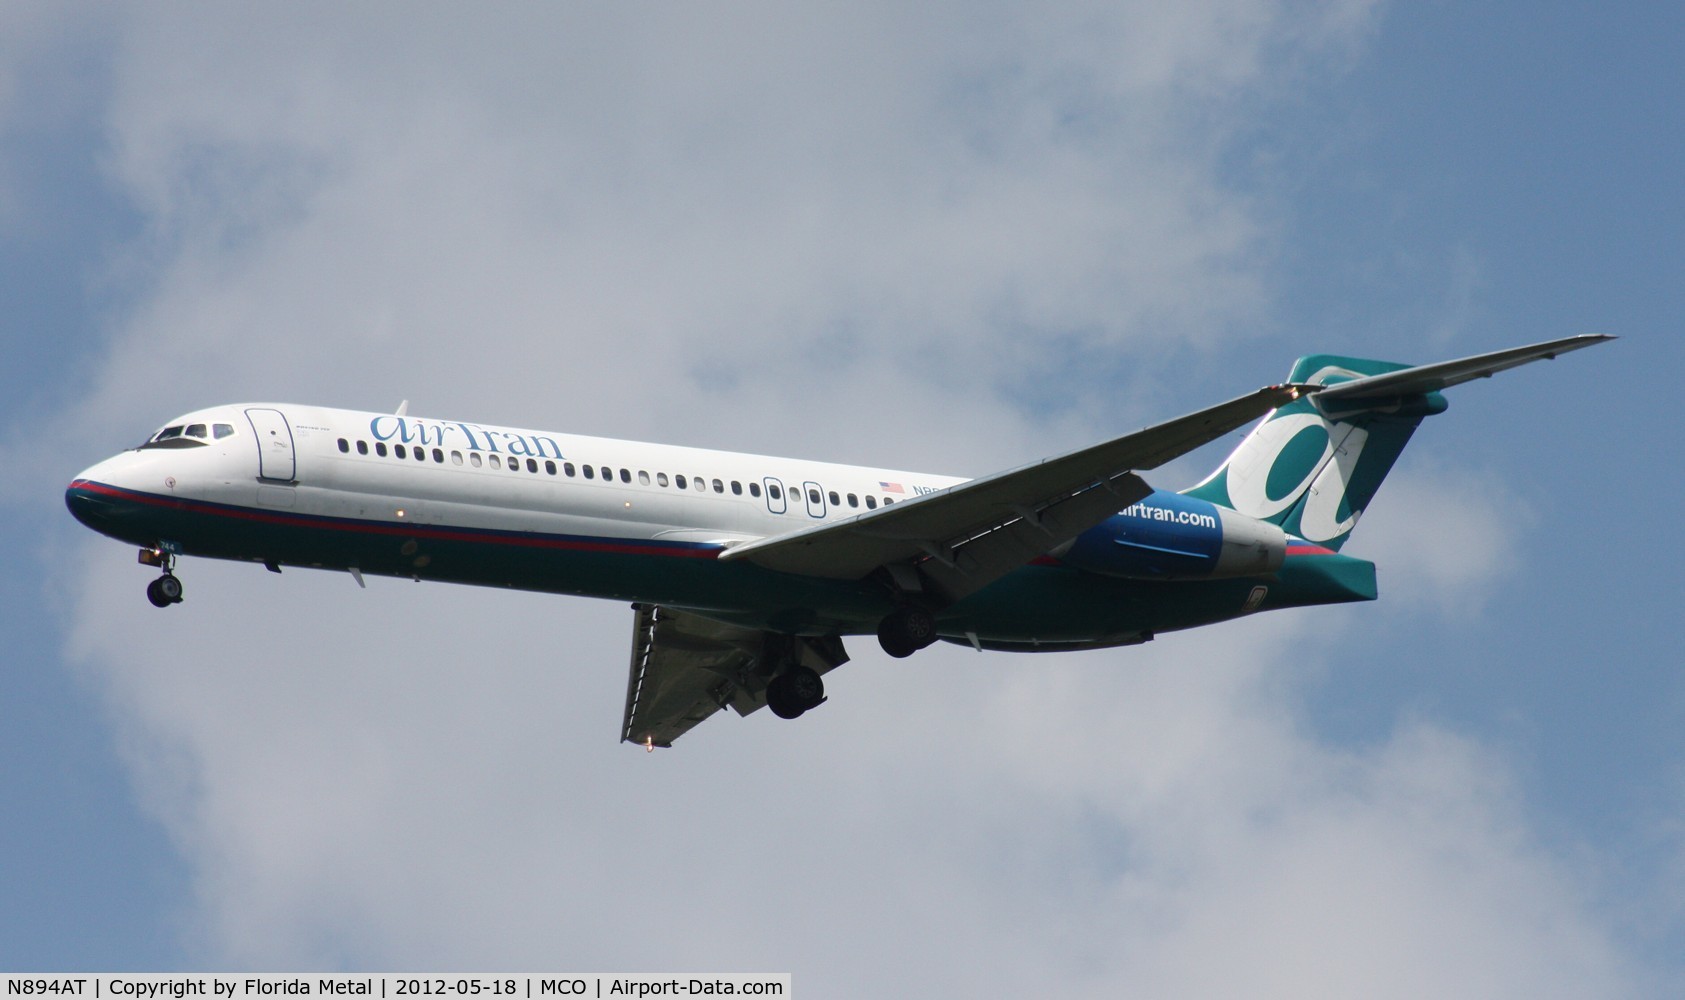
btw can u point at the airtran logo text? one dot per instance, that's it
(473, 437)
(1189, 517)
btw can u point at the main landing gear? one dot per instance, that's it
(906, 630)
(795, 691)
(166, 590)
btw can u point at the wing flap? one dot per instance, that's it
(686, 667)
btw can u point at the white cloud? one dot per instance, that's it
(809, 235)
(418, 775)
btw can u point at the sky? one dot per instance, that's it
(956, 238)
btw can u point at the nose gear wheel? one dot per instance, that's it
(164, 591)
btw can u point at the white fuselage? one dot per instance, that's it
(350, 464)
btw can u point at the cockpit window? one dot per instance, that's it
(172, 437)
(188, 435)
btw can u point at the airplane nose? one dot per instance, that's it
(87, 505)
(94, 497)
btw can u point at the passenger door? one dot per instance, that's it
(275, 459)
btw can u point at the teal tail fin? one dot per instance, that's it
(1311, 467)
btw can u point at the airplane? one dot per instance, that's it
(745, 572)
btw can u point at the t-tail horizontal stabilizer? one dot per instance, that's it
(1424, 379)
(1312, 466)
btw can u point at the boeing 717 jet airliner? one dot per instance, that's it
(745, 572)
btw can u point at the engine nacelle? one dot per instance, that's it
(1169, 536)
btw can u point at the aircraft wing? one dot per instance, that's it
(1431, 378)
(686, 667)
(966, 536)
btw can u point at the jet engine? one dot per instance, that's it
(1169, 536)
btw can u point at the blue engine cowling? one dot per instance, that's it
(1169, 536)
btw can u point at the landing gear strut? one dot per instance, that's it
(795, 691)
(166, 590)
(906, 630)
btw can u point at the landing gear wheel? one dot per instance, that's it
(905, 631)
(794, 691)
(780, 702)
(892, 642)
(164, 591)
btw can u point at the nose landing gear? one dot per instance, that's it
(166, 590)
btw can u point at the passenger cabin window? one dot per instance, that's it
(661, 479)
(871, 502)
(456, 458)
(567, 469)
(344, 446)
(496, 463)
(775, 492)
(362, 447)
(549, 467)
(474, 459)
(853, 501)
(719, 487)
(400, 451)
(833, 498)
(679, 481)
(643, 478)
(439, 455)
(380, 448)
(626, 476)
(754, 489)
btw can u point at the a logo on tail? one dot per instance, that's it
(1286, 460)
(1311, 474)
